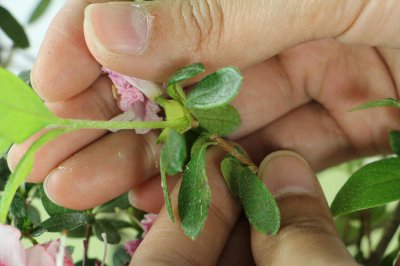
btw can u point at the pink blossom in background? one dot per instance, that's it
(135, 98)
(132, 245)
(12, 252)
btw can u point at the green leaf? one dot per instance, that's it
(22, 170)
(39, 10)
(373, 185)
(185, 73)
(103, 226)
(119, 224)
(121, 202)
(22, 111)
(120, 257)
(4, 146)
(258, 203)
(33, 215)
(222, 120)
(217, 89)
(19, 213)
(64, 221)
(164, 187)
(394, 139)
(388, 102)
(13, 29)
(195, 194)
(173, 153)
(50, 207)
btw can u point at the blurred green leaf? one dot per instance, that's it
(119, 224)
(121, 202)
(215, 90)
(50, 207)
(388, 102)
(4, 146)
(195, 194)
(222, 120)
(13, 29)
(258, 203)
(120, 257)
(394, 139)
(65, 221)
(22, 112)
(39, 10)
(373, 185)
(33, 215)
(19, 213)
(103, 226)
(78, 232)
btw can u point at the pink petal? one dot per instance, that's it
(37, 256)
(11, 250)
(132, 246)
(147, 222)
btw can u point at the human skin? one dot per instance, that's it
(305, 64)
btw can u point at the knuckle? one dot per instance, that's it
(203, 20)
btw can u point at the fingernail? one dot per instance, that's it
(46, 189)
(286, 172)
(131, 199)
(119, 27)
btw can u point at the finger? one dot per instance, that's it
(153, 39)
(95, 103)
(64, 66)
(307, 230)
(103, 171)
(156, 248)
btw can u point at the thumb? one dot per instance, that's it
(152, 39)
(307, 235)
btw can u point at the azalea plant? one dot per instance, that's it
(189, 123)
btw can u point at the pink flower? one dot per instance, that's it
(12, 253)
(132, 245)
(135, 98)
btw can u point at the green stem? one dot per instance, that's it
(116, 125)
(22, 170)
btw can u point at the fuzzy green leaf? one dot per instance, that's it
(217, 89)
(22, 111)
(258, 203)
(195, 194)
(375, 184)
(39, 10)
(121, 257)
(222, 120)
(394, 139)
(4, 146)
(173, 153)
(388, 102)
(18, 211)
(64, 221)
(103, 226)
(121, 202)
(185, 73)
(13, 29)
(50, 207)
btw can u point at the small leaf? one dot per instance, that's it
(258, 203)
(33, 215)
(195, 194)
(103, 226)
(222, 120)
(119, 224)
(22, 112)
(121, 202)
(64, 221)
(173, 153)
(120, 257)
(4, 146)
(215, 90)
(388, 102)
(50, 207)
(164, 187)
(39, 10)
(185, 73)
(394, 139)
(19, 213)
(13, 29)
(373, 185)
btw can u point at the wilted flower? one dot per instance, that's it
(146, 223)
(12, 253)
(135, 98)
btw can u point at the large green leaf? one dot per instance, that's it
(215, 90)
(373, 185)
(173, 153)
(4, 145)
(13, 29)
(39, 10)
(195, 194)
(258, 203)
(222, 120)
(103, 226)
(394, 139)
(18, 210)
(22, 111)
(388, 102)
(64, 221)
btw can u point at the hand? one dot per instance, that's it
(307, 235)
(298, 85)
